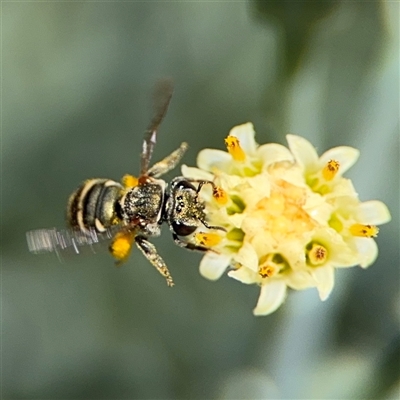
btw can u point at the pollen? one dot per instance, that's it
(330, 170)
(129, 181)
(220, 196)
(361, 230)
(121, 246)
(317, 254)
(234, 149)
(209, 239)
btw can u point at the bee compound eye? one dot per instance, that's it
(182, 229)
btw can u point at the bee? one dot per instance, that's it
(134, 210)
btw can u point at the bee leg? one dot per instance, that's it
(168, 163)
(150, 252)
(189, 245)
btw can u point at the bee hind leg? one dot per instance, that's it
(150, 252)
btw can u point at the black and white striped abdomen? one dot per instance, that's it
(94, 205)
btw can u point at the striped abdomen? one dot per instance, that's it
(94, 204)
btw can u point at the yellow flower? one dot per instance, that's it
(290, 216)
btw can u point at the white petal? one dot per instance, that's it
(300, 280)
(317, 208)
(196, 173)
(211, 159)
(247, 256)
(368, 251)
(340, 253)
(245, 133)
(343, 187)
(260, 185)
(325, 280)
(271, 297)
(212, 265)
(347, 157)
(272, 152)
(303, 151)
(373, 212)
(244, 275)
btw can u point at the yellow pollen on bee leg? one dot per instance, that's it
(330, 170)
(361, 230)
(317, 255)
(121, 246)
(129, 181)
(208, 239)
(220, 196)
(234, 149)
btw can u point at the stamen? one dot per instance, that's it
(234, 149)
(266, 271)
(330, 170)
(121, 246)
(129, 181)
(364, 230)
(270, 265)
(207, 239)
(220, 196)
(317, 254)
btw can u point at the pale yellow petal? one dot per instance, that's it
(213, 265)
(245, 275)
(272, 153)
(272, 295)
(213, 160)
(373, 212)
(346, 156)
(303, 151)
(247, 256)
(368, 251)
(245, 133)
(325, 279)
(300, 280)
(317, 208)
(196, 173)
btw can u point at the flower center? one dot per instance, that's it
(271, 264)
(316, 254)
(282, 214)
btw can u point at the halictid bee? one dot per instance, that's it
(133, 210)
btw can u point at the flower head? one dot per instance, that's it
(290, 216)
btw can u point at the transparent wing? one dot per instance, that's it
(161, 99)
(62, 241)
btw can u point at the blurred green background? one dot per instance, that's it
(76, 88)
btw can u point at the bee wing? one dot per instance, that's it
(161, 99)
(58, 241)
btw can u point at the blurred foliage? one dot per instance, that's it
(297, 21)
